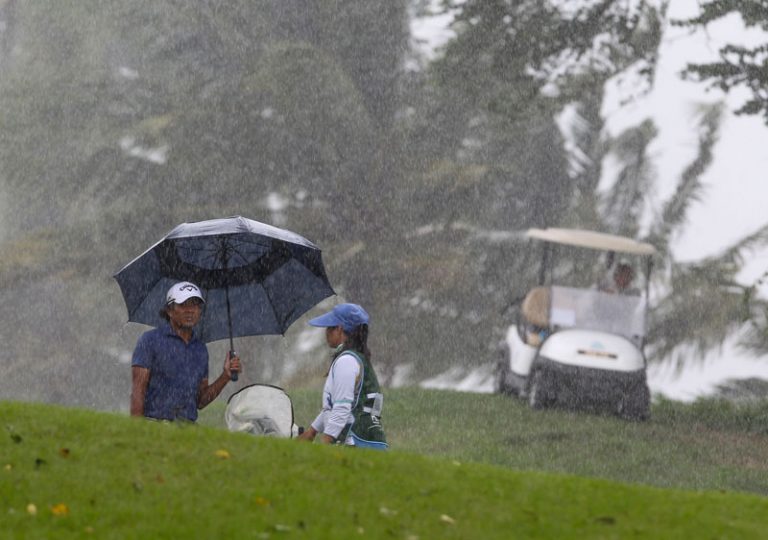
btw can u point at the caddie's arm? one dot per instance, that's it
(309, 435)
(346, 373)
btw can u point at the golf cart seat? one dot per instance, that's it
(535, 311)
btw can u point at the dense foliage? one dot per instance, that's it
(738, 65)
(119, 120)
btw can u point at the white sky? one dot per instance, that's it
(736, 195)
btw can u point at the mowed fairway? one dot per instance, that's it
(69, 473)
(708, 445)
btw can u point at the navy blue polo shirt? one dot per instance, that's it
(175, 372)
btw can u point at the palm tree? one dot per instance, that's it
(697, 304)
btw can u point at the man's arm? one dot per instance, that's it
(207, 393)
(139, 383)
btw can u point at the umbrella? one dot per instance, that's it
(258, 279)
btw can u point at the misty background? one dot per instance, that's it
(413, 169)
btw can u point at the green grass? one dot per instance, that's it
(682, 446)
(717, 413)
(462, 466)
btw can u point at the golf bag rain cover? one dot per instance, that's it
(261, 409)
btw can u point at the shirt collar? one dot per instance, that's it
(168, 331)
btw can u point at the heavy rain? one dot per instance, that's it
(449, 159)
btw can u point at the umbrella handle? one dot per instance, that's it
(233, 374)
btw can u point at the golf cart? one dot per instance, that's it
(578, 343)
(261, 409)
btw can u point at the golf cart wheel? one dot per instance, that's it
(538, 392)
(636, 405)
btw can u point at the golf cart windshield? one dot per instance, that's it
(595, 310)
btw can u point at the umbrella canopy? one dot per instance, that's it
(258, 279)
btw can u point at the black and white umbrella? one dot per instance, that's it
(258, 279)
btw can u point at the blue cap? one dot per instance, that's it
(348, 316)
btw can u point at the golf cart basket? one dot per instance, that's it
(261, 409)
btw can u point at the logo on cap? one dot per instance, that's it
(181, 292)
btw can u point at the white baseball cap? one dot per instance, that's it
(181, 292)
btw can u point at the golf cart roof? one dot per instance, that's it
(592, 240)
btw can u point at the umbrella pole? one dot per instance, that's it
(225, 249)
(229, 324)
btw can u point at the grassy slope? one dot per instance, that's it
(677, 448)
(125, 478)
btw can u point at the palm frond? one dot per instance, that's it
(755, 338)
(737, 253)
(690, 188)
(624, 203)
(587, 151)
(705, 304)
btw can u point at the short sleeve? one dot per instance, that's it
(142, 356)
(204, 354)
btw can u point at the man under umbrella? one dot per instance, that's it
(170, 364)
